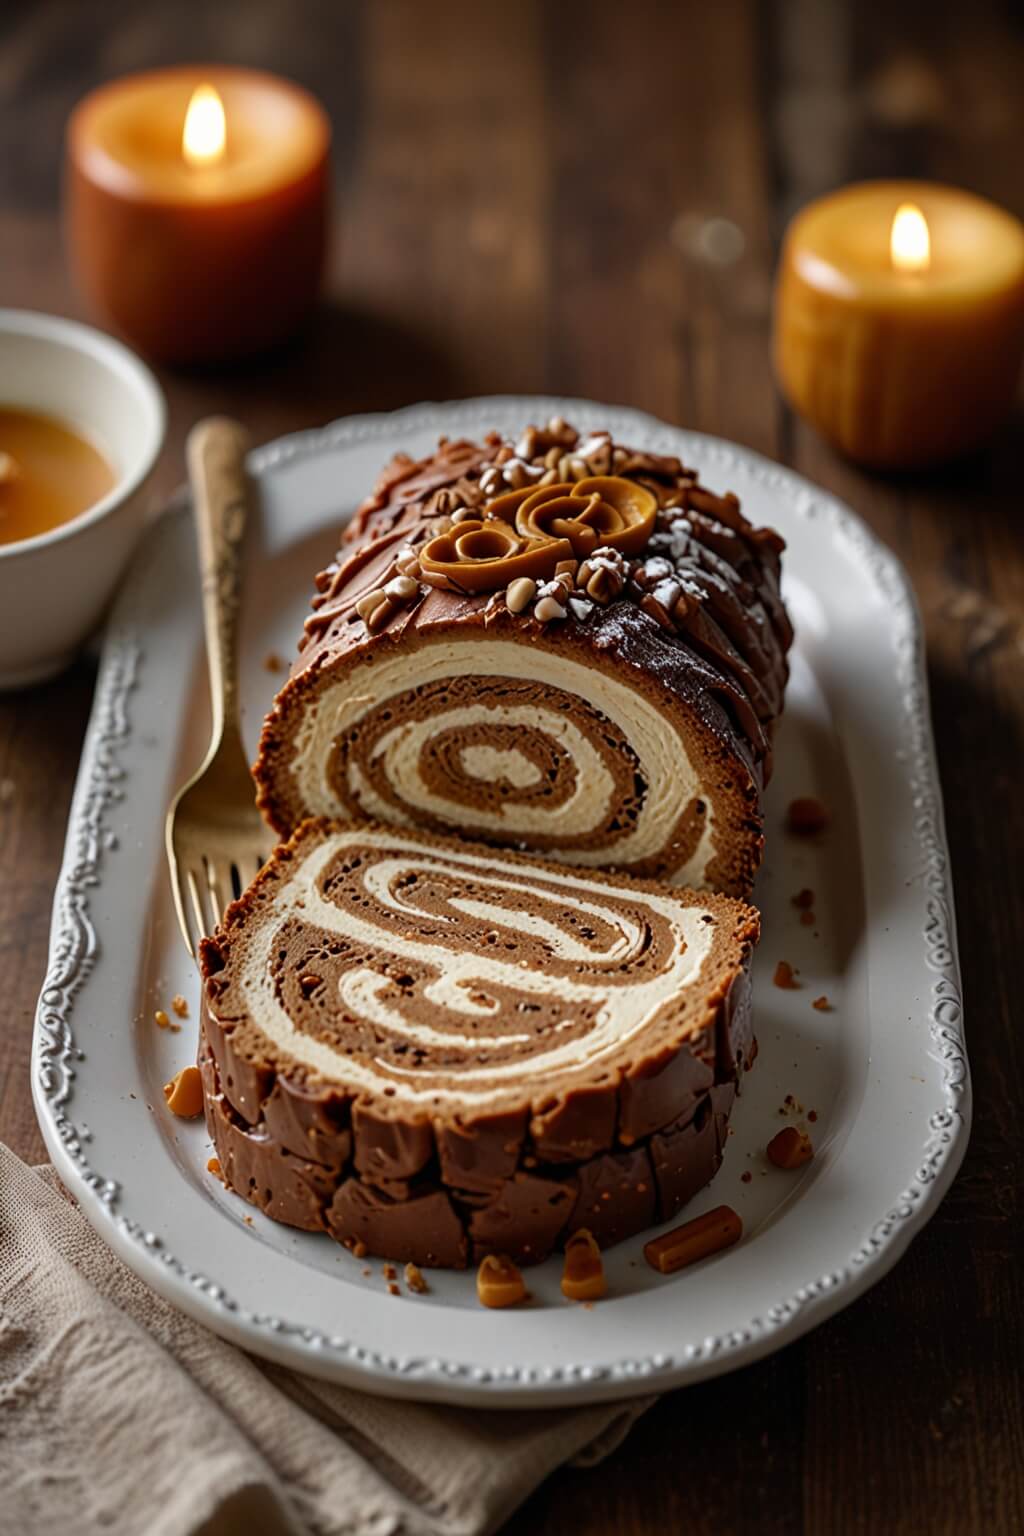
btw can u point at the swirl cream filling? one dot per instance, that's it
(465, 982)
(664, 763)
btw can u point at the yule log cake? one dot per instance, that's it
(436, 1051)
(557, 645)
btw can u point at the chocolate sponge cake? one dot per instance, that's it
(433, 1050)
(563, 646)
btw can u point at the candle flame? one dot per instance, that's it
(910, 243)
(205, 133)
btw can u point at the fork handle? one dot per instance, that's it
(215, 452)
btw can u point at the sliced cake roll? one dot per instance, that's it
(556, 645)
(433, 1050)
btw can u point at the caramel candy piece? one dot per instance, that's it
(583, 1276)
(184, 1093)
(694, 1240)
(499, 1282)
(791, 1148)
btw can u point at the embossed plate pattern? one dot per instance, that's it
(884, 1070)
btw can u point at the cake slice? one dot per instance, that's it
(433, 1050)
(562, 645)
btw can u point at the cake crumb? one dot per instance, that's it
(583, 1277)
(367, 1270)
(247, 1220)
(785, 977)
(390, 1272)
(184, 1094)
(807, 917)
(812, 1115)
(414, 1279)
(790, 1149)
(822, 1004)
(213, 1166)
(272, 662)
(746, 1176)
(804, 899)
(807, 816)
(499, 1282)
(393, 1289)
(161, 1020)
(359, 1249)
(179, 1005)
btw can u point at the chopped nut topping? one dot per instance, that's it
(547, 609)
(179, 1005)
(694, 1240)
(520, 593)
(807, 816)
(401, 588)
(407, 561)
(583, 1276)
(791, 1148)
(414, 1279)
(184, 1093)
(499, 1282)
(785, 977)
(369, 601)
(375, 609)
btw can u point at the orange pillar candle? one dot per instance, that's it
(196, 208)
(899, 320)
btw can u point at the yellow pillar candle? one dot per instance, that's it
(899, 320)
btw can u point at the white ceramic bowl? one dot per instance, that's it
(55, 587)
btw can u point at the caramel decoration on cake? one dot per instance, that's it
(434, 1050)
(604, 510)
(479, 556)
(557, 644)
(531, 532)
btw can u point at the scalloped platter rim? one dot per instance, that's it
(881, 1072)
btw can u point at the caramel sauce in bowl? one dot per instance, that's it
(81, 425)
(50, 473)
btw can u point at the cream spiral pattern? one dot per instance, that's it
(608, 970)
(398, 791)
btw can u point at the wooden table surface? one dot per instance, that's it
(524, 202)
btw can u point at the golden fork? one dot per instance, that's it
(216, 838)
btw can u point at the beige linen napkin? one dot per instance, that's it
(119, 1415)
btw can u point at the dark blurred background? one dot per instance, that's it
(588, 198)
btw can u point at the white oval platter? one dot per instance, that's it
(884, 1070)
